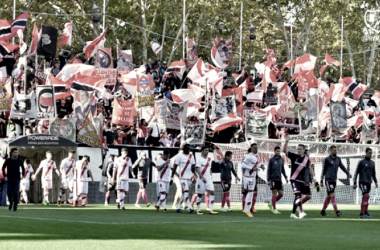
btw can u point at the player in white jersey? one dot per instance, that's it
(47, 166)
(163, 166)
(204, 181)
(249, 165)
(25, 183)
(186, 164)
(81, 171)
(169, 142)
(122, 167)
(67, 177)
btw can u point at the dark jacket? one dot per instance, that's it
(366, 171)
(226, 169)
(275, 168)
(330, 167)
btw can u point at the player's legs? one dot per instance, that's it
(200, 190)
(139, 193)
(306, 192)
(366, 189)
(178, 193)
(185, 194)
(193, 199)
(297, 199)
(84, 193)
(226, 195)
(254, 198)
(207, 200)
(71, 189)
(273, 200)
(210, 190)
(249, 185)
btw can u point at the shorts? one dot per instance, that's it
(122, 185)
(82, 187)
(24, 185)
(67, 183)
(163, 187)
(143, 183)
(296, 186)
(276, 185)
(47, 184)
(248, 184)
(305, 189)
(365, 188)
(185, 185)
(330, 186)
(201, 187)
(226, 186)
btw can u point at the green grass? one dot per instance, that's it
(99, 227)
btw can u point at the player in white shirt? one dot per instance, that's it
(25, 183)
(67, 177)
(204, 181)
(122, 167)
(169, 142)
(47, 166)
(163, 166)
(249, 165)
(81, 171)
(186, 164)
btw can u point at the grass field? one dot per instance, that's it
(99, 227)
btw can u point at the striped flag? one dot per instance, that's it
(357, 89)
(155, 47)
(329, 61)
(197, 71)
(226, 122)
(6, 48)
(9, 30)
(90, 47)
(255, 96)
(33, 44)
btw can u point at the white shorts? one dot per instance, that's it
(122, 185)
(24, 185)
(163, 187)
(47, 184)
(82, 187)
(249, 183)
(201, 187)
(185, 184)
(67, 183)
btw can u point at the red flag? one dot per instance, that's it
(90, 46)
(192, 53)
(197, 91)
(357, 89)
(9, 30)
(266, 73)
(66, 35)
(123, 112)
(271, 57)
(155, 47)
(6, 48)
(226, 122)
(305, 62)
(198, 71)
(177, 68)
(255, 96)
(329, 61)
(33, 44)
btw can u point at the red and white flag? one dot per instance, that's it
(155, 47)
(285, 97)
(266, 73)
(22, 44)
(33, 44)
(9, 29)
(6, 48)
(287, 65)
(197, 91)
(72, 69)
(357, 89)
(177, 68)
(226, 122)
(90, 47)
(51, 80)
(376, 97)
(129, 82)
(271, 57)
(221, 52)
(240, 78)
(217, 84)
(66, 35)
(197, 71)
(255, 96)
(336, 93)
(192, 53)
(329, 61)
(123, 112)
(305, 62)
(183, 95)
(88, 83)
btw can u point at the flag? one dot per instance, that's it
(221, 52)
(177, 68)
(240, 78)
(88, 83)
(23, 106)
(305, 62)
(22, 44)
(6, 48)
(91, 131)
(155, 47)
(187, 95)
(47, 41)
(33, 44)
(90, 47)
(46, 107)
(266, 73)
(170, 113)
(222, 106)
(104, 58)
(197, 91)
(255, 96)
(66, 35)
(285, 95)
(287, 65)
(129, 82)
(63, 127)
(52, 80)
(70, 70)
(192, 53)
(75, 60)
(197, 71)
(376, 97)
(338, 114)
(193, 132)
(6, 94)
(145, 84)
(271, 57)
(217, 84)
(123, 112)
(124, 59)
(336, 92)
(84, 102)
(357, 89)
(329, 61)
(226, 122)
(305, 124)
(9, 30)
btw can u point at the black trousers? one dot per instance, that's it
(13, 192)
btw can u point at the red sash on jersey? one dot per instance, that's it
(164, 170)
(125, 165)
(71, 166)
(26, 171)
(300, 167)
(172, 144)
(48, 170)
(81, 174)
(187, 164)
(205, 168)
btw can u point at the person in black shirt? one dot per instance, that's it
(110, 186)
(13, 177)
(62, 110)
(297, 175)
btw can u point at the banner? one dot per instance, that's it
(123, 112)
(169, 113)
(255, 125)
(63, 127)
(145, 100)
(5, 95)
(271, 97)
(338, 114)
(104, 58)
(284, 99)
(147, 113)
(221, 52)
(192, 53)
(84, 101)
(91, 131)
(23, 106)
(222, 106)
(47, 41)
(108, 74)
(46, 106)
(306, 124)
(124, 59)
(193, 132)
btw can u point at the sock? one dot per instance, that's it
(274, 201)
(297, 203)
(108, 194)
(138, 198)
(254, 197)
(121, 199)
(163, 200)
(145, 197)
(118, 196)
(228, 199)
(365, 201)
(212, 199)
(326, 203)
(278, 197)
(186, 197)
(193, 198)
(60, 195)
(207, 200)
(248, 201)
(243, 200)
(46, 195)
(305, 199)
(300, 205)
(199, 200)
(71, 198)
(180, 201)
(25, 195)
(84, 197)
(224, 199)
(333, 202)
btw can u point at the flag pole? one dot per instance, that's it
(183, 29)
(14, 16)
(341, 49)
(241, 32)
(318, 111)
(104, 14)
